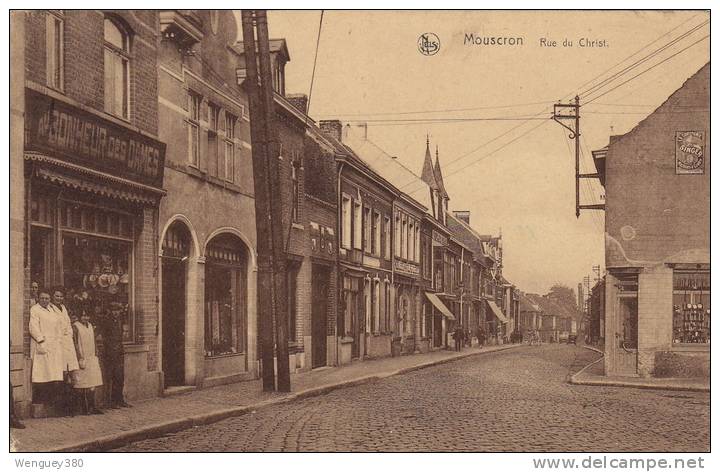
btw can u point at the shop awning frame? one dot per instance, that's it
(497, 312)
(437, 303)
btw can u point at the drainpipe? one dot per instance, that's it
(339, 279)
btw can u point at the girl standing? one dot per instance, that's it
(89, 375)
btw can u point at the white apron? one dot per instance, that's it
(70, 362)
(45, 325)
(90, 376)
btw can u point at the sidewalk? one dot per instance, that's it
(163, 415)
(592, 374)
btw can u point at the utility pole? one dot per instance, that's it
(263, 219)
(279, 257)
(574, 128)
(596, 269)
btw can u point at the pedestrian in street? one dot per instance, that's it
(46, 350)
(70, 362)
(481, 336)
(112, 332)
(458, 336)
(89, 375)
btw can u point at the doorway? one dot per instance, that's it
(626, 358)
(176, 251)
(320, 287)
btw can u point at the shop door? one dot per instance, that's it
(437, 331)
(626, 357)
(320, 288)
(173, 321)
(355, 317)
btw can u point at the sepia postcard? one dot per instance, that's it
(360, 231)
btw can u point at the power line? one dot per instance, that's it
(416, 112)
(488, 154)
(449, 120)
(648, 69)
(641, 49)
(312, 79)
(642, 60)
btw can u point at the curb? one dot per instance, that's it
(574, 380)
(173, 426)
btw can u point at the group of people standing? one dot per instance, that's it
(65, 364)
(463, 336)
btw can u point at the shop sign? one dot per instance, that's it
(322, 238)
(439, 238)
(689, 152)
(407, 268)
(80, 137)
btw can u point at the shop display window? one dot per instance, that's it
(691, 307)
(96, 273)
(225, 296)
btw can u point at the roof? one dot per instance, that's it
(438, 175)
(276, 46)
(390, 168)
(428, 174)
(527, 304)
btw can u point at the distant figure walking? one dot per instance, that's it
(459, 336)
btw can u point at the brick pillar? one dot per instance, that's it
(146, 288)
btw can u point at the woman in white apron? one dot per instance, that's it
(89, 376)
(46, 348)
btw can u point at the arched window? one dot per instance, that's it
(117, 69)
(225, 295)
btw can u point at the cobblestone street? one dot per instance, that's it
(518, 400)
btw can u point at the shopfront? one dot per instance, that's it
(93, 187)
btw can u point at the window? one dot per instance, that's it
(55, 48)
(194, 129)
(417, 242)
(398, 228)
(388, 245)
(426, 257)
(230, 122)
(346, 222)
(403, 238)
(366, 229)
(357, 222)
(215, 165)
(691, 307)
(377, 230)
(225, 296)
(117, 69)
(376, 307)
(295, 191)
(411, 240)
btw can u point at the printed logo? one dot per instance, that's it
(690, 152)
(428, 44)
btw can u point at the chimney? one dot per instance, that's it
(463, 215)
(332, 128)
(299, 101)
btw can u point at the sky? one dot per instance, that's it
(514, 175)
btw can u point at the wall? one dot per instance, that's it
(675, 222)
(206, 204)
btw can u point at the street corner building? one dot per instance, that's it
(657, 249)
(87, 175)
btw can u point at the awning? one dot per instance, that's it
(497, 311)
(89, 180)
(439, 305)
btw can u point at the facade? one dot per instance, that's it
(596, 314)
(207, 297)
(657, 251)
(86, 138)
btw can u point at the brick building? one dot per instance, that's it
(207, 294)
(657, 249)
(87, 177)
